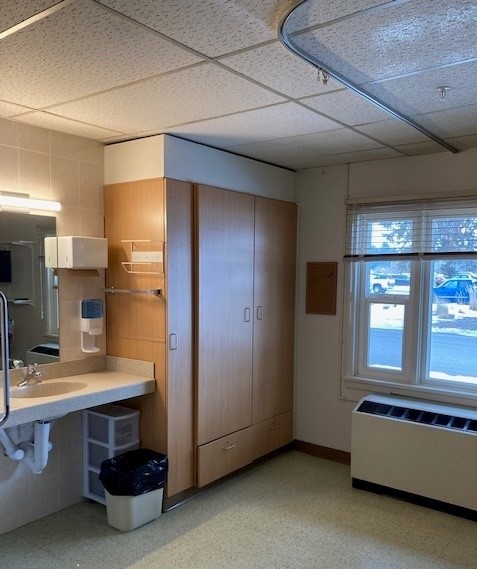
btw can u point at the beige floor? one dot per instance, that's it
(294, 511)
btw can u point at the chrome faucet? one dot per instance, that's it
(32, 376)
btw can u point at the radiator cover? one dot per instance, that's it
(415, 446)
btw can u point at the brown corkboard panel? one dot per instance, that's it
(321, 282)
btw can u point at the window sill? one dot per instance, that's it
(354, 389)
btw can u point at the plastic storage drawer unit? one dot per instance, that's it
(108, 430)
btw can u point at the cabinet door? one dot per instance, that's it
(274, 314)
(179, 317)
(225, 238)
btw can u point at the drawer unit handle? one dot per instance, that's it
(246, 315)
(274, 427)
(173, 342)
(259, 312)
(229, 446)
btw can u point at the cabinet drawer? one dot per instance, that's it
(220, 457)
(272, 434)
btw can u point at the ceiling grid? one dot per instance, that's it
(215, 72)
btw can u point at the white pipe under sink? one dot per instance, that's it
(33, 453)
(11, 449)
(36, 453)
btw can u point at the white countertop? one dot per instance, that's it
(101, 387)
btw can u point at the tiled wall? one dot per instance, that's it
(52, 165)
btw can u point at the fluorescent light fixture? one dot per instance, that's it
(28, 203)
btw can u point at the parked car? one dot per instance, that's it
(402, 280)
(455, 290)
(379, 283)
(472, 276)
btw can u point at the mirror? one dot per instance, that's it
(31, 289)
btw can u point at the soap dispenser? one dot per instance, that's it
(91, 323)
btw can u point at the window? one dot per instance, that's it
(411, 301)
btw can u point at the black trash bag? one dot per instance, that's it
(134, 472)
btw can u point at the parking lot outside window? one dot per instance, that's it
(410, 320)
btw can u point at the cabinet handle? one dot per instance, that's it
(247, 315)
(172, 341)
(229, 446)
(259, 312)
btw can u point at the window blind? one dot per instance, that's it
(409, 230)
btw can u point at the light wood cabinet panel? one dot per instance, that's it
(140, 326)
(134, 211)
(179, 346)
(272, 434)
(274, 314)
(225, 241)
(221, 457)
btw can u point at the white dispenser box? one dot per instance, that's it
(82, 252)
(51, 252)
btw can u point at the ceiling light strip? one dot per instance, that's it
(288, 43)
(35, 18)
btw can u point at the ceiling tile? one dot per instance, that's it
(461, 121)
(392, 132)
(348, 157)
(427, 147)
(289, 151)
(13, 13)
(346, 106)
(10, 109)
(463, 142)
(405, 37)
(197, 93)
(278, 68)
(79, 50)
(212, 27)
(256, 125)
(53, 122)
(418, 93)
(320, 11)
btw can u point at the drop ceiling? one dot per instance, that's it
(215, 72)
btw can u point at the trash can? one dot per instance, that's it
(134, 483)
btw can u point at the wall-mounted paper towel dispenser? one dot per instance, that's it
(75, 252)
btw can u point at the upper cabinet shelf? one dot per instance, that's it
(146, 257)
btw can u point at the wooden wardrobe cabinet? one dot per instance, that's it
(220, 334)
(245, 328)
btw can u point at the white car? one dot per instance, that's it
(380, 284)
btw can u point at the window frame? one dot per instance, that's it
(417, 326)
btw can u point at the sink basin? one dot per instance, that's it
(47, 389)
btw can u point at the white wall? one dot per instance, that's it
(51, 165)
(193, 162)
(141, 159)
(171, 157)
(322, 418)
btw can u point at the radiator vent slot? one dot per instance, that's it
(412, 415)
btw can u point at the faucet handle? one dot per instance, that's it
(36, 371)
(32, 371)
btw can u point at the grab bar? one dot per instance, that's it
(5, 357)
